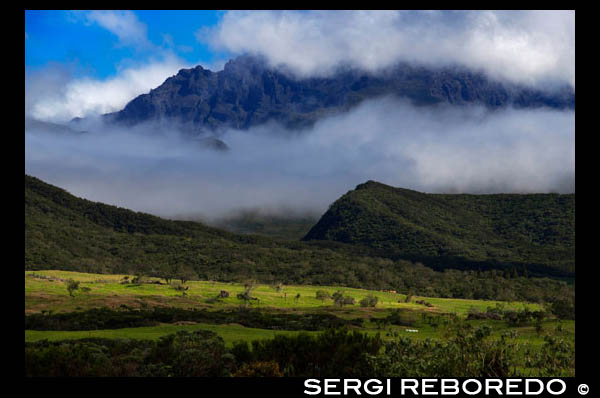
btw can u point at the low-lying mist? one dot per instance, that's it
(430, 149)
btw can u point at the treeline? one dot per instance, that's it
(105, 318)
(467, 352)
(561, 309)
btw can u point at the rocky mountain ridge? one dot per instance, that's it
(248, 93)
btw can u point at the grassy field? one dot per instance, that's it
(233, 332)
(106, 290)
(46, 291)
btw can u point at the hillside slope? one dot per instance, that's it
(63, 232)
(462, 231)
(69, 233)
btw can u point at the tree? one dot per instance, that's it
(246, 296)
(341, 300)
(338, 298)
(185, 274)
(167, 272)
(72, 286)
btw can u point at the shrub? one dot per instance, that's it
(259, 369)
(200, 353)
(555, 358)
(465, 353)
(369, 301)
(139, 279)
(331, 353)
(425, 303)
(179, 287)
(349, 300)
(322, 295)
(563, 308)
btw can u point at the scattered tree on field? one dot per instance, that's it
(72, 286)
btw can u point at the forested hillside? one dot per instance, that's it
(69, 233)
(535, 232)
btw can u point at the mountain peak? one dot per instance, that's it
(247, 92)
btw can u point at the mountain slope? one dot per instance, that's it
(464, 231)
(247, 93)
(69, 233)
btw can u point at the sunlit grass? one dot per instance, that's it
(229, 333)
(106, 290)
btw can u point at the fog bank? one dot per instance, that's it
(441, 149)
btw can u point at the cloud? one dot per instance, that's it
(439, 149)
(124, 24)
(55, 94)
(529, 47)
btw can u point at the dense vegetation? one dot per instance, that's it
(68, 233)
(534, 233)
(468, 351)
(104, 318)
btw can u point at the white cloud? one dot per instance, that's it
(53, 94)
(448, 149)
(528, 47)
(124, 24)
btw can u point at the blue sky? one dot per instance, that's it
(93, 49)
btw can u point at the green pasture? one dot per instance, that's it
(107, 290)
(233, 332)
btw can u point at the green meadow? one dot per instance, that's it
(46, 292)
(229, 333)
(107, 290)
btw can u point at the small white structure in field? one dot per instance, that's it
(411, 330)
